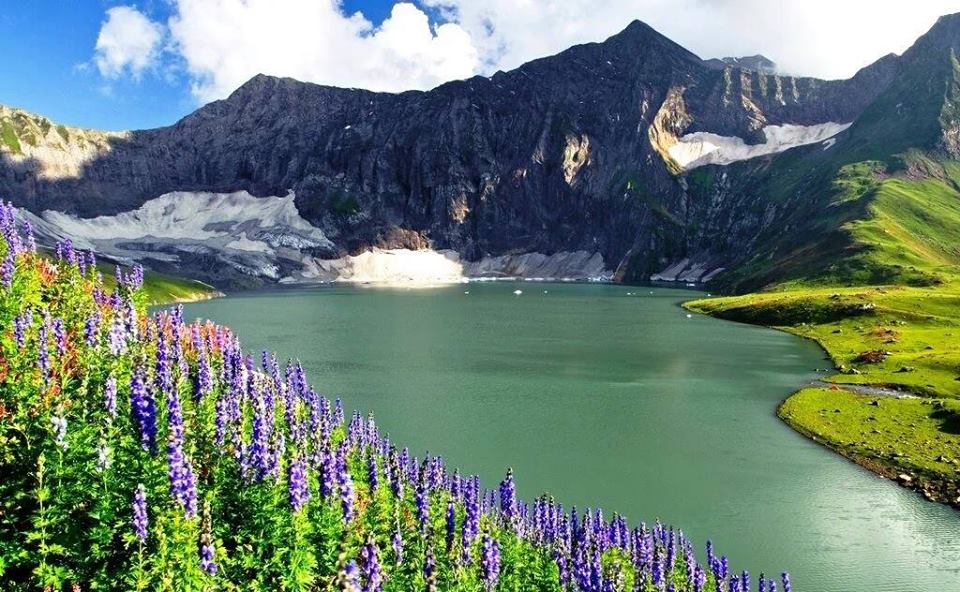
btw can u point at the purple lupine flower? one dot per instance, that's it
(328, 473)
(65, 251)
(298, 484)
(786, 582)
(260, 437)
(762, 583)
(110, 397)
(490, 562)
(745, 580)
(430, 569)
(657, 572)
(508, 499)
(700, 580)
(7, 268)
(372, 474)
(91, 328)
(140, 520)
(183, 481)
(144, 411)
(372, 573)
(207, 562)
(471, 521)
(422, 505)
(20, 325)
(451, 524)
(397, 546)
(31, 240)
(117, 335)
(204, 384)
(60, 337)
(350, 577)
(59, 424)
(346, 491)
(207, 550)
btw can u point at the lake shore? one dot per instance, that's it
(882, 341)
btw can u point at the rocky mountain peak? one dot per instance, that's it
(757, 63)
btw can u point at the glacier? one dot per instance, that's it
(701, 148)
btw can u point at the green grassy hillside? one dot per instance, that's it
(882, 297)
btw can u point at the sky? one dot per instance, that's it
(131, 65)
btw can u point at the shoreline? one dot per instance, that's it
(931, 487)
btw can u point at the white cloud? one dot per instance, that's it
(823, 38)
(222, 43)
(225, 42)
(128, 41)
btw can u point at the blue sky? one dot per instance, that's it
(48, 46)
(113, 64)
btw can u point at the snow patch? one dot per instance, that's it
(701, 148)
(406, 267)
(251, 235)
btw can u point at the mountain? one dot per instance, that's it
(631, 157)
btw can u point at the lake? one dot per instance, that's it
(612, 396)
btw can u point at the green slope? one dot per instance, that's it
(868, 265)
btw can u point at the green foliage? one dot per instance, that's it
(71, 465)
(9, 136)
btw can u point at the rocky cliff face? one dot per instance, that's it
(570, 153)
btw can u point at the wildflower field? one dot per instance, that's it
(141, 452)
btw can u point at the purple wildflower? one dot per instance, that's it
(786, 582)
(144, 411)
(422, 502)
(207, 551)
(346, 489)
(350, 577)
(430, 569)
(490, 562)
(28, 233)
(110, 397)
(508, 499)
(372, 574)
(91, 328)
(140, 520)
(59, 424)
(207, 559)
(397, 543)
(298, 484)
(20, 325)
(451, 524)
(7, 268)
(372, 473)
(60, 337)
(183, 481)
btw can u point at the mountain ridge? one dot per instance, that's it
(570, 152)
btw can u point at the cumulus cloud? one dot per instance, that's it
(222, 43)
(225, 42)
(823, 38)
(128, 42)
